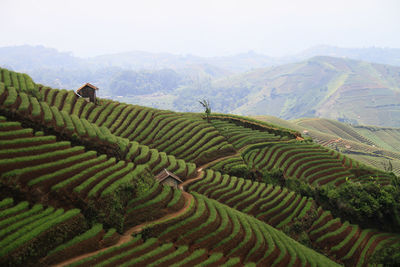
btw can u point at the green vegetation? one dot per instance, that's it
(74, 168)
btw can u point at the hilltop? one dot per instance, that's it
(342, 89)
(78, 188)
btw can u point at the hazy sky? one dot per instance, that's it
(201, 27)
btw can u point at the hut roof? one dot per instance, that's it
(164, 174)
(87, 84)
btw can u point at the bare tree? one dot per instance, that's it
(207, 108)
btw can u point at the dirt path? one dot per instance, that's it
(201, 168)
(127, 236)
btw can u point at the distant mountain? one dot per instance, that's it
(26, 57)
(381, 55)
(249, 83)
(145, 60)
(346, 90)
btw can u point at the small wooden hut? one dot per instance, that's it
(88, 91)
(168, 178)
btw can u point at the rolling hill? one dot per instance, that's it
(78, 189)
(341, 89)
(371, 145)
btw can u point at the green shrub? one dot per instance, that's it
(36, 109)
(179, 251)
(20, 207)
(387, 256)
(58, 117)
(80, 129)
(15, 81)
(112, 167)
(94, 164)
(35, 209)
(7, 77)
(127, 181)
(60, 98)
(68, 121)
(127, 168)
(109, 233)
(24, 102)
(11, 98)
(6, 202)
(86, 235)
(21, 81)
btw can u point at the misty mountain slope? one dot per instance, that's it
(380, 55)
(336, 88)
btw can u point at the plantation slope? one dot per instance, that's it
(311, 163)
(282, 209)
(92, 167)
(40, 116)
(27, 234)
(153, 252)
(184, 136)
(218, 228)
(370, 145)
(329, 87)
(55, 172)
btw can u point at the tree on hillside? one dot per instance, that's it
(207, 108)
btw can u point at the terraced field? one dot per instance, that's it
(240, 136)
(311, 163)
(77, 187)
(370, 145)
(25, 228)
(280, 208)
(184, 136)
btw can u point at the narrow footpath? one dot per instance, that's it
(127, 236)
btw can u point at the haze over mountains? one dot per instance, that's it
(345, 84)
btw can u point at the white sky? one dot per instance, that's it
(200, 27)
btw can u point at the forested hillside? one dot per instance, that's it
(78, 188)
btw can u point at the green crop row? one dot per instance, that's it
(15, 133)
(18, 208)
(241, 136)
(142, 128)
(245, 195)
(28, 233)
(250, 226)
(166, 191)
(108, 113)
(177, 130)
(134, 202)
(21, 82)
(131, 122)
(59, 98)
(20, 215)
(71, 168)
(53, 117)
(225, 186)
(153, 253)
(6, 202)
(255, 124)
(96, 229)
(27, 140)
(159, 160)
(127, 179)
(93, 165)
(96, 190)
(200, 208)
(358, 242)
